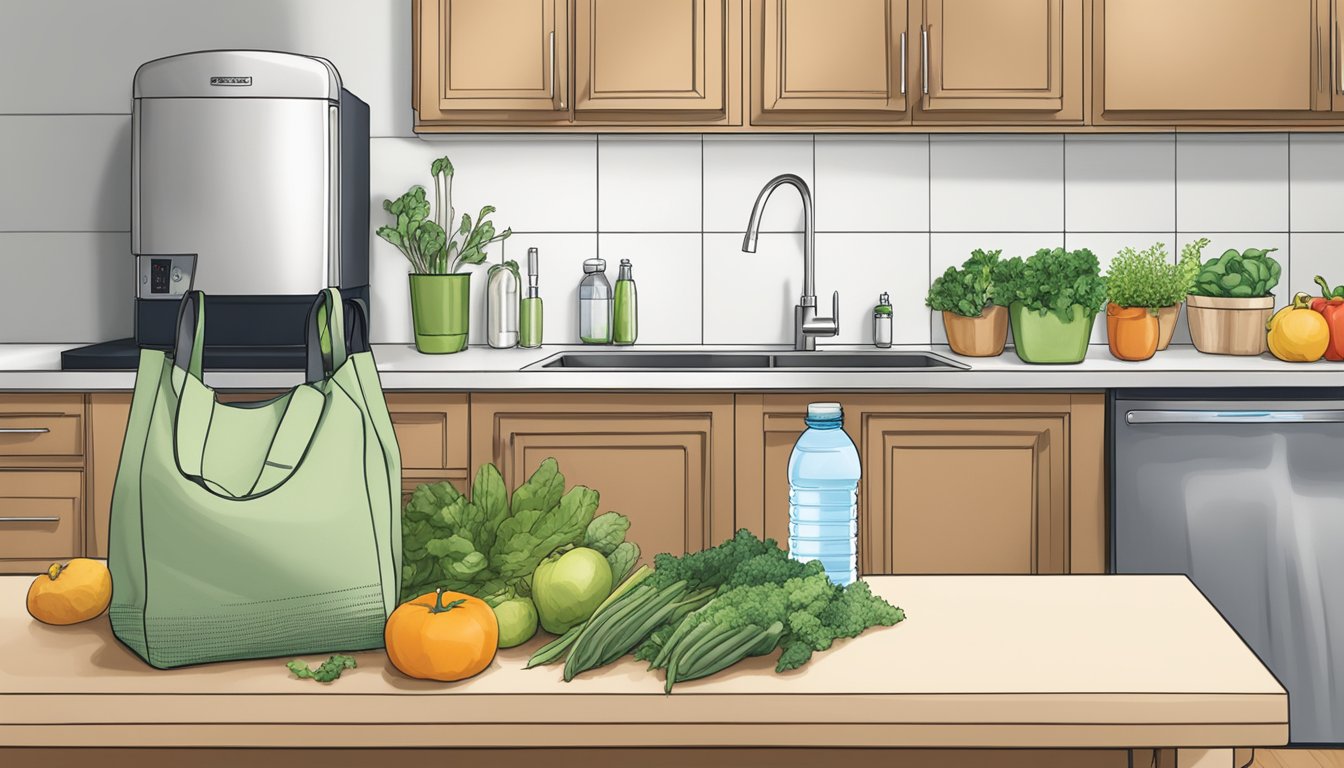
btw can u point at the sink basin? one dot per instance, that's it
(868, 360)
(669, 361)
(701, 361)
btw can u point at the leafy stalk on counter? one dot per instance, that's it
(483, 544)
(703, 612)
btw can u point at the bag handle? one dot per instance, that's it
(328, 346)
(190, 333)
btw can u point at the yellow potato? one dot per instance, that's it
(68, 594)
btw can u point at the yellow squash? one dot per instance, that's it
(70, 593)
(1298, 333)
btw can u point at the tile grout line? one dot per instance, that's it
(1288, 268)
(928, 205)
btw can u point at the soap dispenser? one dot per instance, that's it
(882, 323)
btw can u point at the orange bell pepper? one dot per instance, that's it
(1331, 305)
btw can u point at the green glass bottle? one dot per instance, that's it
(529, 309)
(625, 312)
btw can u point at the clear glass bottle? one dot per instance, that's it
(595, 303)
(529, 311)
(501, 305)
(625, 308)
(882, 322)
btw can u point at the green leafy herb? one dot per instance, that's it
(622, 559)
(433, 246)
(1051, 281)
(1146, 278)
(330, 669)
(1252, 273)
(481, 545)
(966, 291)
(606, 532)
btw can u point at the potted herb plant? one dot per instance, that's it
(1187, 269)
(1141, 285)
(976, 327)
(1053, 297)
(1231, 302)
(437, 251)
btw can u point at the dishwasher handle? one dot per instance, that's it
(1235, 417)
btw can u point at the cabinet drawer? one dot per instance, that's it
(40, 514)
(431, 429)
(41, 425)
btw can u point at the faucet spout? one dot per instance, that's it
(807, 326)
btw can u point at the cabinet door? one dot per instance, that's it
(431, 429)
(108, 414)
(1210, 59)
(812, 62)
(664, 461)
(649, 55)
(951, 483)
(491, 58)
(1003, 56)
(41, 518)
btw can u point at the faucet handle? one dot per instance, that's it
(835, 312)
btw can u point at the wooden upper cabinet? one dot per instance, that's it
(983, 58)
(660, 55)
(820, 61)
(491, 59)
(1193, 61)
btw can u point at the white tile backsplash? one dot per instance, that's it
(1316, 172)
(872, 183)
(1232, 182)
(648, 184)
(1119, 183)
(892, 210)
(997, 183)
(738, 167)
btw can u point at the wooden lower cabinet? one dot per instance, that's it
(664, 461)
(952, 483)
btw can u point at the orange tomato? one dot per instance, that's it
(443, 636)
(70, 593)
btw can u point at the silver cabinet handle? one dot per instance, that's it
(23, 430)
(903, 62)
(30, 519)
(1235, 417)
(924, 55)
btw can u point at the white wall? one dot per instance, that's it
(892, 211)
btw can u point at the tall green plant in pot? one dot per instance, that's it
(975, 325)
(438, 251)
(1052, 297)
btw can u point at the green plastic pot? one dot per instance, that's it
(1045, 339)
(441, 312)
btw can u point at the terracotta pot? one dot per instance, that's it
(981, 336)
(1131, 332)
(1220, 326)
(1166, 324)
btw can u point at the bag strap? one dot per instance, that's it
(189, 349)
(294, 434)
(326, 350)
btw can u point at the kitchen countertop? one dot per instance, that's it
(982, 661)
(37, 367)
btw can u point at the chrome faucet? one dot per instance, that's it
(806, 325)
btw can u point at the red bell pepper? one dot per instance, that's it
(1331, 305)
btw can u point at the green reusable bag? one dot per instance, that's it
(249, 530)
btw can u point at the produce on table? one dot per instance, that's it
(556, 649)
(1243, 275)
(329, 670)
(1297, 333)
(68, 594)
(567, 587)
(705, 611)
(1331, 305)
(482, 545)
(517, 617)
(432, 639)
(967, 291)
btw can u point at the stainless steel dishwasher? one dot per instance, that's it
(1245, 495)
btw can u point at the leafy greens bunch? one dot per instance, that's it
(435, 246)
(703, 612)
(1252, 273)
(966, 291)
(1051, 281)
(1146, 278)
(481, 545)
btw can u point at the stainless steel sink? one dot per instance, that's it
(701, 361)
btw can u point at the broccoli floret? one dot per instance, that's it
(710, 567)
(772, 567)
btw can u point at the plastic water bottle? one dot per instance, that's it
(823, 494)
